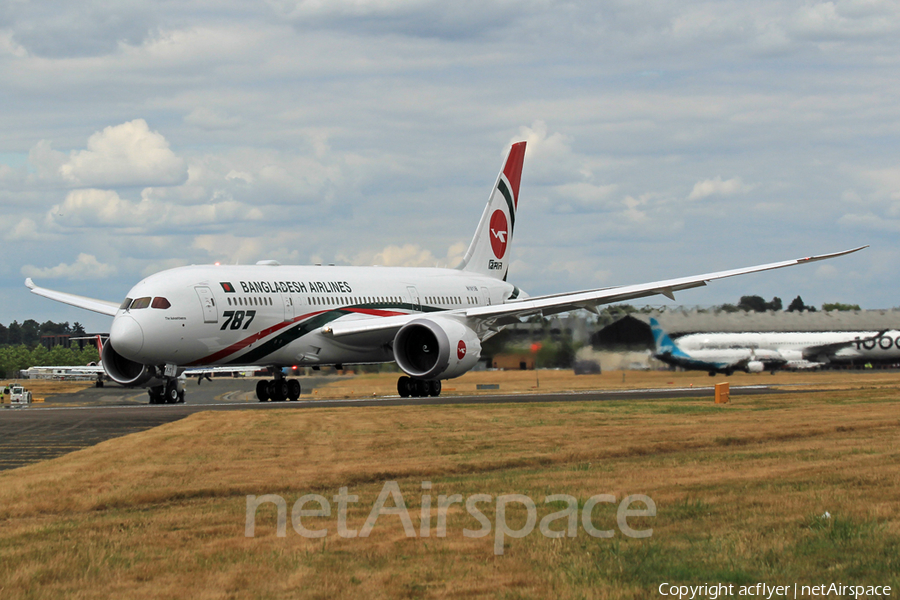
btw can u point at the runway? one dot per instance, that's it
(69, 422)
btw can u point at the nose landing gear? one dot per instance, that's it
(169, 393)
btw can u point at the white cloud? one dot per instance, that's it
(583, 197)
(26, 229)
(125, 155)
(46, 161)
(92, 208)
(231, 248)
(9, 46)
(86, 266)
(407, 255)
(717, 187)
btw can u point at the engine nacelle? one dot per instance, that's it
(755, 366)
(124, 371)
(792, 355)
(436, 348)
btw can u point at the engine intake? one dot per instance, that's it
(755, 366)
(436, 348)
(122, 370)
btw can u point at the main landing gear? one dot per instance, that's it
(170, 393)
(418, 388)
(278, 389)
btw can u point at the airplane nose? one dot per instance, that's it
(126, 336)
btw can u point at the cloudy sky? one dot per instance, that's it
(666, 138)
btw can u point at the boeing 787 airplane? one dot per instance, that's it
(431, 321)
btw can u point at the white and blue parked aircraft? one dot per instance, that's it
(713, 360)
(799, 349)
(430, 321)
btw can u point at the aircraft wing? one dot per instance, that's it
(830, 349)
(70, 370)
(490, 317)
(590, 299)
(99, 306)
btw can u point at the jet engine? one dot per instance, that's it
(755, 366)
(124, 371)
(436, 348)
(792, 355)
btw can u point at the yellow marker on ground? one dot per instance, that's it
(722, 393)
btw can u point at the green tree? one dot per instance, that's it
(87, 356)
(31, 332)
(752, 304)
(14, 334)
(798, 305)
(51, 328)
(59, 355)
(839, 306)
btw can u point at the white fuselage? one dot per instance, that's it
(273, 315)
(822, 346)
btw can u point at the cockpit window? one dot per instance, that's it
(126, 305)
(160, 302)
(140, 303)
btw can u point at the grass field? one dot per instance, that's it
(741, 494)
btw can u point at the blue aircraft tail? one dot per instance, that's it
(664, 344)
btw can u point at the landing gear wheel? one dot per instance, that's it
(172, 392)
(434, 388)
(422, 388)
(156, 395)
(403, 387)
(262, 390)
(278, 390)
(293, 389)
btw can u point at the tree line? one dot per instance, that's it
(30, 332)
(614, 312)
(759, 304)
(21, 348)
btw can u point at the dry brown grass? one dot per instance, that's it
(738, 489)
(515, 382)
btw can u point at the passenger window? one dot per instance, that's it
(160, 303)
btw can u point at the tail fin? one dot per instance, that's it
(664, 344)
(489, 252)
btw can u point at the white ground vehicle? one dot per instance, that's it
(18, 395)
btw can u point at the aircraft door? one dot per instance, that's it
(414, 298)
(486, 295)
(208, 302)
(288, 307)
